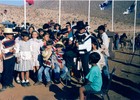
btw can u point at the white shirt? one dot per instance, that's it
(86, 45)
(105, 40)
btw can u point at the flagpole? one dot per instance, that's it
(88, 14)
(59, 11)
(112, 15)
(135, 25)
(25, 14)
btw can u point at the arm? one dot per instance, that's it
(86, 45)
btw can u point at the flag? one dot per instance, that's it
(130, 9)
(30, 2)
(105, 4)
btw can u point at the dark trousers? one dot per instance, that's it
(84, 59)
(8, 70)
(68, 56)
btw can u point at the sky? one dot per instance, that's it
(12, 2)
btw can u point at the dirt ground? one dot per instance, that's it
(125, 84)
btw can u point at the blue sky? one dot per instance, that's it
(12, 2)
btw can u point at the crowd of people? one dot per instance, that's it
(56, 53)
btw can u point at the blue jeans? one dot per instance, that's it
(106, 68)
(46, 72)
(57, 74)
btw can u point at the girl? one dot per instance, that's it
(25, 58)
(35, 45)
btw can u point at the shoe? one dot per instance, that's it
(11, 86)
(28, 84)
(38, 83)
(23, 84)
(18, 81)
(3, 88)
(48, 84)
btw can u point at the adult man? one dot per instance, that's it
(83, 44)
(104, 46)
(8, 48)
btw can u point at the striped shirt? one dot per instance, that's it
(6, 46)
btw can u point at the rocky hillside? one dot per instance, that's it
(81, 7)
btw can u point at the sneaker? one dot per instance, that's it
(23, 84)
(28, 84)
(11, 86)
(38, 83)
(48, 84)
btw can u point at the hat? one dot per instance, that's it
(8, 31)
(63, 31)
(80, 25)
(59, 44)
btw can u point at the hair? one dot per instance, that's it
(46, 33)
(24, 33)
(95, 42)
(101, 27)
(94, 58)
(49, 42)
(40, 30)
(31, 27)
(56, 26)
(69, 23)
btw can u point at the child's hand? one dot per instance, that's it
(1, 56)
(52, 67)
(61, 66)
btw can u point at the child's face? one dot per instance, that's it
(49, 46)
(46, 37)
(41, 33)
(10, 36)
(94, 46)
(59, 49)
(25, 38)
(34, 35)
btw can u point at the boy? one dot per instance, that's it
(94, 76)
(59, 64)
(46, 54)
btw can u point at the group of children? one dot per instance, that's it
(45, 56)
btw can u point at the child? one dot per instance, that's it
(25, 59)
(46, 54)
(35, 45)
(94, 76)
(8, 48)
(95, 48)
(60, 64)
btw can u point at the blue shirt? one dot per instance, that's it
(94, 76)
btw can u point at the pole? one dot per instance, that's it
(112, 15)
(134, 25)
(25, 14)
(59, 11)
(88, 14)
